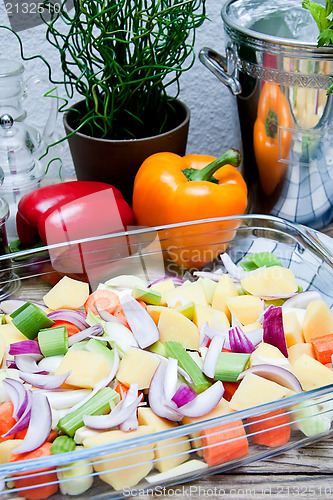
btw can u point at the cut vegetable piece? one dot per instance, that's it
(246, 308)
(273, 329)
(141, 323)
(212, 355)
(173, 326)
(271, 281)
(39, 486)
(224, 443)
(292, 329)
(323, 348)
(29, 319)
(230, 365)
(118, 415)
(7, 421)
(87, 368)
(177, 351)
(187, 292)
(187, 310)
(318, 320)
(99, 404)
(270, 429)
(188, 467)
(125, 468)
(183, 395)
(138, 366)
(148, 295)
(53, 341)
(157, 399)
(307, 418)
(260, 259)
(102, 298)
(254, 391)
(121, 335)
(75, 478)
(67, 294)
(205, 402)
(168, 452)
(239, 341)
(275, 374)
(296, 351)
(99, 347)
(62, 444)
(47, 382)
(209, 286)
(214, 317)
(223, 291)
(311, 373)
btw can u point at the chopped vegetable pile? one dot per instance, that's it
(84, 369)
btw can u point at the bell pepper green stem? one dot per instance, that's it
(230, 157)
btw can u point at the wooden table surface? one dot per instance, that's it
(303, 473)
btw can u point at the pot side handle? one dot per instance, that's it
(220, 66)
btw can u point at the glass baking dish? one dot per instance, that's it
(152, 253)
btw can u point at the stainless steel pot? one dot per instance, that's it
(285, 114)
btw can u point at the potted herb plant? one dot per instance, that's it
(119, 59)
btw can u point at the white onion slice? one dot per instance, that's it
(205, 402)
(213, 275)
(106, 316)
(117, 416)
(302, 300)
(27, 362)
(171, 378)
(156, 395)
(44, 381)
(10, 305)
(275, 374)
(83, 334)
(236, 273)
(214, 350)
(141, 323)
(40, 424)
(131, 423)
(61, 399)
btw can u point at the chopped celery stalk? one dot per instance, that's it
(53, 341)
(3, 320)
(158, 348)
(148, 295)
(307, 418)
(187, 310)
(62, 444)
(176, 350)
(29, 319)
(230, 365)
(260, 259)
(99, 404)
(94, 345)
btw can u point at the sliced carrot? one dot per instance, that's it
(224, 443)
(323, 348)
(71, 329)
(270, 431)
(121, 389)
(230, 389)
(41, 490)
(6, 419)
(103, 299)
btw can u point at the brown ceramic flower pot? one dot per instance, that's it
(117, 161)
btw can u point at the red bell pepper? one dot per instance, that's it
(71, 210)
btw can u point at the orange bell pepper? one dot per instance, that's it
(271, 137)
(170, 189)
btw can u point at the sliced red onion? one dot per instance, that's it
(10, 305)
(275, 374)
(27, 362)
(205, 402)
(39, 425)
(131, 423)
(236, 273)
(212, 275)
(302, 300)
(184, 395)
(214, 350)
(156, 396)
(24, 419)
(74, 317)
(177, 281)
(117, 416)
(17, 393)
(44, 381)
(273, 330)
(24, 347)
(263, 314)
(106, 316)
(141, 323)
(92, 330)
(239, 342)
(255, 336)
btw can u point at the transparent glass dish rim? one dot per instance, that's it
(301, 234)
